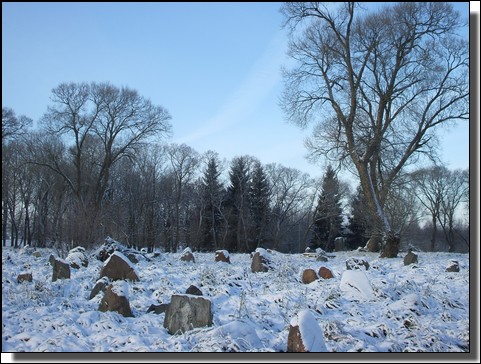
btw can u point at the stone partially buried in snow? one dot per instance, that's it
(322, 258)
(158, 309)
(187, 255)
(115, 299)
(410, 258)
(108, 248)
(325, 273)
(193, 290)
(77, 258)
(222, 256)
(357, 263)
(24, 277)
(61, 269)
(260, 261)
(309, 276)
(118, 266)
(339, 243)
(100, 285)
(305, 335)
(355, 285)
(186, 313)
(453, 266)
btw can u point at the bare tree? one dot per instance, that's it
(13, 128)
(184, 161)
(431, 186)
(291, 201)
(12, 125)
(441, 192)
(456, 194)
(377, 85)
(402, 205)
(101, 124)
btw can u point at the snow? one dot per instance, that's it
(311, 333)
(75, 257)
(225, 252)
(186, 251)
(120, 288)
(263, 253)
(388, 308)
(124, 258)
(238, 333)
(355, 285)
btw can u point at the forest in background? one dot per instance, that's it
(79, 178)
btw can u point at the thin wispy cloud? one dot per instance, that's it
(263, 77)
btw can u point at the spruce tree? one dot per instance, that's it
(328, 214)
(259, 206)
(212, 197)
(358, 225)
(237, 205)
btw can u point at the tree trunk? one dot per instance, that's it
(379, 223)
(390, 246)
(4, 223)
(433, 235)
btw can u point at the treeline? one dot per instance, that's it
(98, 165)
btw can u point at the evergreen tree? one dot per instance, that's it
(358, 225)
(237, 205)
(259, 206)
(328, 214)
(212, 199)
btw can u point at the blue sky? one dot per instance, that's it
(214, 66)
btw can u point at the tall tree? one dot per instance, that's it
(328, 216)
(212, 192)
(402, 206)
(237, 204)
(430, 184)
(358, 225)
(457, 193)
(291, 198)
(184, 161)
(101, 124)
(441, 192)
(377, 84)
(13, 126)
(259, 205)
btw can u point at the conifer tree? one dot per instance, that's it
(212, 199)
(237, 205)
(358, 225)
(259, 206)
(328, 214)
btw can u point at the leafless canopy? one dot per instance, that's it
(375, 84)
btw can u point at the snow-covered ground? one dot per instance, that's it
(387, 308)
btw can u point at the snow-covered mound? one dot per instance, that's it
(398, 308)
(355, 285)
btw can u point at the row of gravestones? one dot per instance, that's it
(260, 258)
(260, 263)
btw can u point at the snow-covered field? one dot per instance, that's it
(395, 308)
